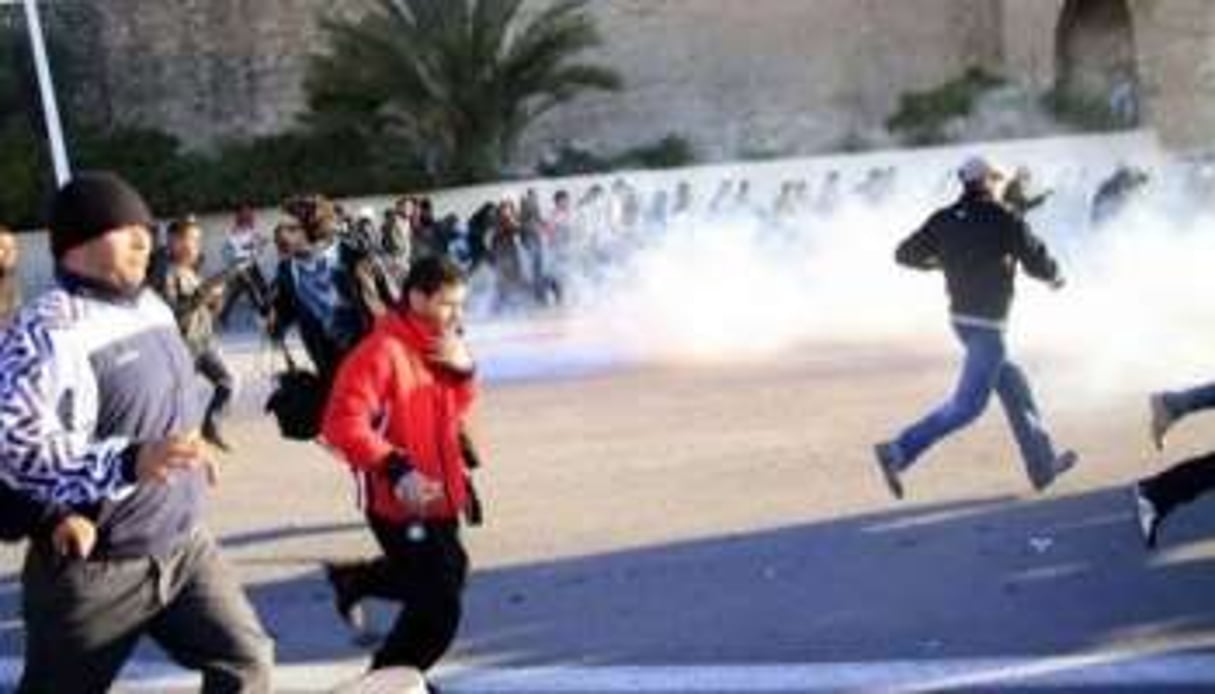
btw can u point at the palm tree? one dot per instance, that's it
(454, 83)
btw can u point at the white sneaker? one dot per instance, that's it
(1148, 516)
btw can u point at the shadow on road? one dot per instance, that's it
(996, 577)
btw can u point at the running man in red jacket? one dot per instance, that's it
(395, 414)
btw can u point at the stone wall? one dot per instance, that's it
(1174, 49)
(1176, 46)
(737, 78)
(769, 76)
(203, 70)
(765, 76)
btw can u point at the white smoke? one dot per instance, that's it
(1137, 312)
(735, 289)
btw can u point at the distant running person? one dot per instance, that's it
(978, 243)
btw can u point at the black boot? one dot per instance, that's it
(212, 435)
(344, 580)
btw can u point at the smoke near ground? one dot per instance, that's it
(1137, 312)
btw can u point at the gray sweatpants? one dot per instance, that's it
(84, 618)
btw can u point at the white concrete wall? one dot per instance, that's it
(1094, 154)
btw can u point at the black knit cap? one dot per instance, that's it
(91, 204)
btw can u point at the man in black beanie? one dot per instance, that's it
(99, 405)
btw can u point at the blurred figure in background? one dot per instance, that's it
(241, 250)
(396, 240)
(195, 302)
(10, 280)
(1017, 195)
(510, 258)
(1116, 193)
(327, 287)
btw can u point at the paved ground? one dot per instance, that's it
(722, 528)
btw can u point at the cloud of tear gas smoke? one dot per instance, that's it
(1138, 312)
(728, 289)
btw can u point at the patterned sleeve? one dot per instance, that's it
(48, 409)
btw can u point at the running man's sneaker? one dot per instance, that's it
(1147, 514)
(1162, 418)
(890, 460)
(1062, 463)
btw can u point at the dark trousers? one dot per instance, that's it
(250, 283)
(84, 618)
(427, 574)
(1181, 483)
(210, 363)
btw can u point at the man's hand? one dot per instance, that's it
(74, 537)
(451, 352)
(157, 460)
(215, 294)
(417, 491)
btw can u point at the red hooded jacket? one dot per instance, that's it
(388, 398)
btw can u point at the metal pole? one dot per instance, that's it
(50, 109)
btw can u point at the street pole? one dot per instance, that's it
(50, 109)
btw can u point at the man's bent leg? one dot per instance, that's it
(980, 369)
(82, 620)
(1181, 483)
(432, 574)
(1033, 440)
(208, 624)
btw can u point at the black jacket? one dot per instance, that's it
(978, 243)
(365, 293)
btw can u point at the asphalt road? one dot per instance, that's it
(661, 521)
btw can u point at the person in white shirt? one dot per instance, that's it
(242, 248)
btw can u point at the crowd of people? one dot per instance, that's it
(523, 253)
(104, 470)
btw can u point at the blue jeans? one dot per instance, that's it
(986, 367)
(1182, 402)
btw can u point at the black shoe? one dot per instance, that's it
(1061, 464)
(1147, 514)
(890, 460)
(346, 597)
(1161, 419)
(210, 434)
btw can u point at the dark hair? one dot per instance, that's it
(178, 226)
(431, 273)
(316, 214)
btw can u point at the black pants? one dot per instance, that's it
(210, 363)
(1181, 483)
(427, 574)
(248, 282)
